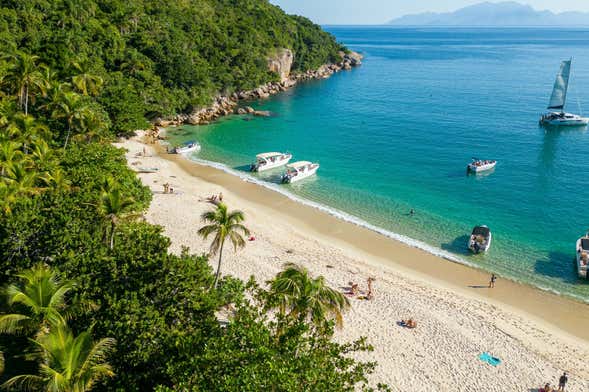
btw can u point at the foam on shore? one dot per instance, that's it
(347, 217)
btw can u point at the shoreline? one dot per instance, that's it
(537, 334)
(544, 304)
(354, 220)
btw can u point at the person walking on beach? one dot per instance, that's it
(370, 294)
(492, 281)
(562, 381)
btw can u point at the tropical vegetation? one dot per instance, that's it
(92, 297)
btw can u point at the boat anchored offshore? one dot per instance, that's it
(480, 239)
(583, 256)
(558, 101)
(186, 148)
(270, 160)
(480, 165)
(298, 170)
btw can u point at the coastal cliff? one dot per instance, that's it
(280, 63)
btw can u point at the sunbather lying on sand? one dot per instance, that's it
(410, 323)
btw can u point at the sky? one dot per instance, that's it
(381, 11)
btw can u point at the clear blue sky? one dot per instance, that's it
(381, 11)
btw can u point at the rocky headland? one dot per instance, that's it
(280, 63)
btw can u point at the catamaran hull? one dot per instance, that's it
(299, 176)
(567, 123)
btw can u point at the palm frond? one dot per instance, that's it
(12, 323)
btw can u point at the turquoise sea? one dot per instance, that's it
(397, 133)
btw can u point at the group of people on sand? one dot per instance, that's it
(168, 188)
(562, 382)
(215, 199)
(355, 290)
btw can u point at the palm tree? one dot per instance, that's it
(300, 296)
(223, 225)
(71, 108)
(114, 206)
(27, 130)
(9, 153)
(85, 82)
(21, 178)
(1, 363)
(26, 78)
(68, 363)
(43, 295)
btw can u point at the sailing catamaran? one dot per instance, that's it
(558, 100)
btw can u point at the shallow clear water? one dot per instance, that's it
(397, 133)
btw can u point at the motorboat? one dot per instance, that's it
(270, 160)
(298, 170)
(558, 117)
(480, 165)
(480, 239)
(583, 256)
(186, 148)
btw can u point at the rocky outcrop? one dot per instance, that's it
(224, 105)
(281, 63)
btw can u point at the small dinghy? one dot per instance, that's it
(480, 165)
(186, 148)
(480, 239)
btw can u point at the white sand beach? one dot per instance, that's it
(536, 335)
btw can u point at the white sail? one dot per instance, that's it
(561, 85)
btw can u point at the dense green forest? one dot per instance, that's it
(91, 297)
(158, 58)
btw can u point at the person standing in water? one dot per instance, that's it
(492, 281)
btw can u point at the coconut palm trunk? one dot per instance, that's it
(67, 137)
(223, 225)
(113, 227)
(215, 283)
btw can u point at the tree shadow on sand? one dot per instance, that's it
(558, 265)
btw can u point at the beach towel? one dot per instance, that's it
(491, 360)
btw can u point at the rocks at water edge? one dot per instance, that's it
(280, 63)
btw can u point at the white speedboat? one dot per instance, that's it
(480, 165)
(298, 170)
(558, 101)
(270, 160)
(583, 256)
(480, 239)
(186, 148)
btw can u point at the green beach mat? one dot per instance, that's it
(491, 360)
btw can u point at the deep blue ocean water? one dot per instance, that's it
(397, 133)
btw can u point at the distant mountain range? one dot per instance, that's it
(508, 13)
